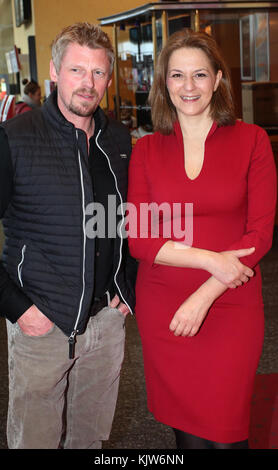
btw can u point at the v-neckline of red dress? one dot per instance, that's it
(178, 133)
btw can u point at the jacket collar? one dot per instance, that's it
(57, 119)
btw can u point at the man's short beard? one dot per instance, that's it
(80, 111)
(83, 111)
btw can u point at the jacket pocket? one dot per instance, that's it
(20, 265)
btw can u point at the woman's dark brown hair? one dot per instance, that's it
(30, 87)
(163, 111)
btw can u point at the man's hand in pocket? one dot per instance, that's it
(34, 323)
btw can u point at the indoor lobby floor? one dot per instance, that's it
(134, 427)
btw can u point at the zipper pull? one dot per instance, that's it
(72, 341)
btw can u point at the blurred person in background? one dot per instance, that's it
(31, 97)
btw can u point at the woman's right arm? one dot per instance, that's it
(225, 266)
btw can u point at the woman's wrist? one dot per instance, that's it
(207, 260)
(211, 290)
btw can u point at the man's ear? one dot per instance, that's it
(52, 72)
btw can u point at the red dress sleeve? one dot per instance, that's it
(262, 194)
(143, 244)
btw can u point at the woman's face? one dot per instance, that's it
(191, 82)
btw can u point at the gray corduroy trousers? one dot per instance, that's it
(57, 402)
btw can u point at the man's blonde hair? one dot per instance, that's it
(84, 34)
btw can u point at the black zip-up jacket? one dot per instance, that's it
(48, 259)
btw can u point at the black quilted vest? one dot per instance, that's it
(46, 249)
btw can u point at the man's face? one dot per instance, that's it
(82, 80)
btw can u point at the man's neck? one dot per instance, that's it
(85, 123)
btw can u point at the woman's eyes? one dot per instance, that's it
(196, 75)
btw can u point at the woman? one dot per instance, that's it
(31, 97)
(199, 308)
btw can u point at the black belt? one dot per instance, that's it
(100, 302)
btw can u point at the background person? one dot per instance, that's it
(202, 337)
(31, 97)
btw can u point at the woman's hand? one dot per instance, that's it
(227, 268)
(191, 314)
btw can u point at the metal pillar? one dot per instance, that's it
(164, 21)
(116, 72)
(195, 20)
(154, 38)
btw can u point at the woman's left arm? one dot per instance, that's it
(262, 194)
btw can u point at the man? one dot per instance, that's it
(65, 292)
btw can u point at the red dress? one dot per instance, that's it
(203, 384)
